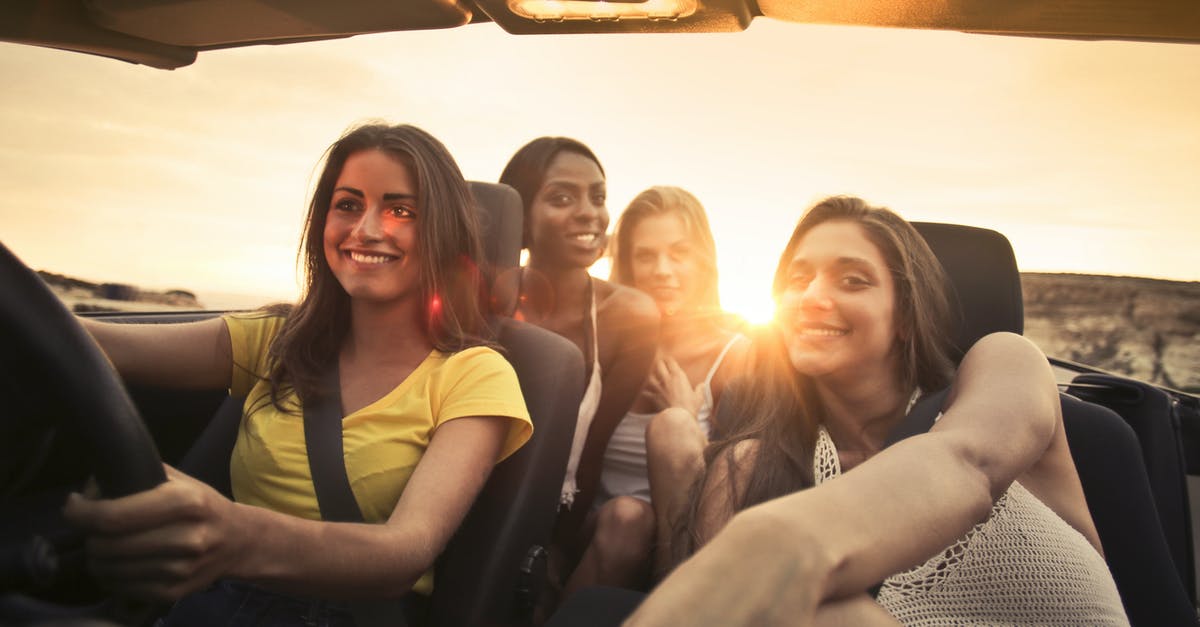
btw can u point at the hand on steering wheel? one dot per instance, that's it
(160, 544)
(67, 416)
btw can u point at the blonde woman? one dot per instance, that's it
(663, 246)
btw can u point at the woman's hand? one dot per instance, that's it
(668, 386)
(163, 543)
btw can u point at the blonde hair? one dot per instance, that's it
(667, 200)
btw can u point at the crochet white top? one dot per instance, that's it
(1024, 565)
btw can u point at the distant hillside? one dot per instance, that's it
(80, 295)
(1144, 328)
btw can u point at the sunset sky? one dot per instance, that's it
(1085, 154)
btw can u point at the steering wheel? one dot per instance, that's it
(64, 416)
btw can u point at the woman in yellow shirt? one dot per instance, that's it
(391, 307)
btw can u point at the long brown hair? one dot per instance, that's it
(447, 241)
(667, 200)
(780, 407)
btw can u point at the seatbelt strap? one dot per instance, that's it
(327, 463)
(920, 418)
(326, 457)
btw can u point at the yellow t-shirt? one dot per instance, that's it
(383, 442)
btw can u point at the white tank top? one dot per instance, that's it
(624, 471)
(587, 409)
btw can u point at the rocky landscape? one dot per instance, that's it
(81, 296)
(1143, 328)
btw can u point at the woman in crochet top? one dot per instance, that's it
(982, 520)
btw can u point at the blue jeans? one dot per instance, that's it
(239, 604)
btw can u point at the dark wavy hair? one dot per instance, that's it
(526, 170)
(667, 200)
(780, 409)
(448, 243)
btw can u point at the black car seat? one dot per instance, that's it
(490, 572)
(1107, 452)
(1155, 420)
(1110, 464)
(985, 283)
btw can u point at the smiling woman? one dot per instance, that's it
(562, 187)
(370, 234)
(390, 337)
(1081, 150)
(984, 499)
(663, 247)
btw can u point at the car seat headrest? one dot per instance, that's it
(500, 220)
(985, 283)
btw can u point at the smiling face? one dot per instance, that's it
(568, 217)
(370, 235)
(837, 306)
(665, 264)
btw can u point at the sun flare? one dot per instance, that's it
(749, 300)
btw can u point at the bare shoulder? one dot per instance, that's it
(624, 306)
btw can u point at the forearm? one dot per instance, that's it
(181, 535)
(889, 514)
(355, 560)
(194, 355)
(332, 560)
(116, 342)
(917, 497)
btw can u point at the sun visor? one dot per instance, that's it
(64, 25)
(217, 23)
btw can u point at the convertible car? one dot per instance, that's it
(67, 417)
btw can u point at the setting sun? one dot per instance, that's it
(749, 299)
(744, 291)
